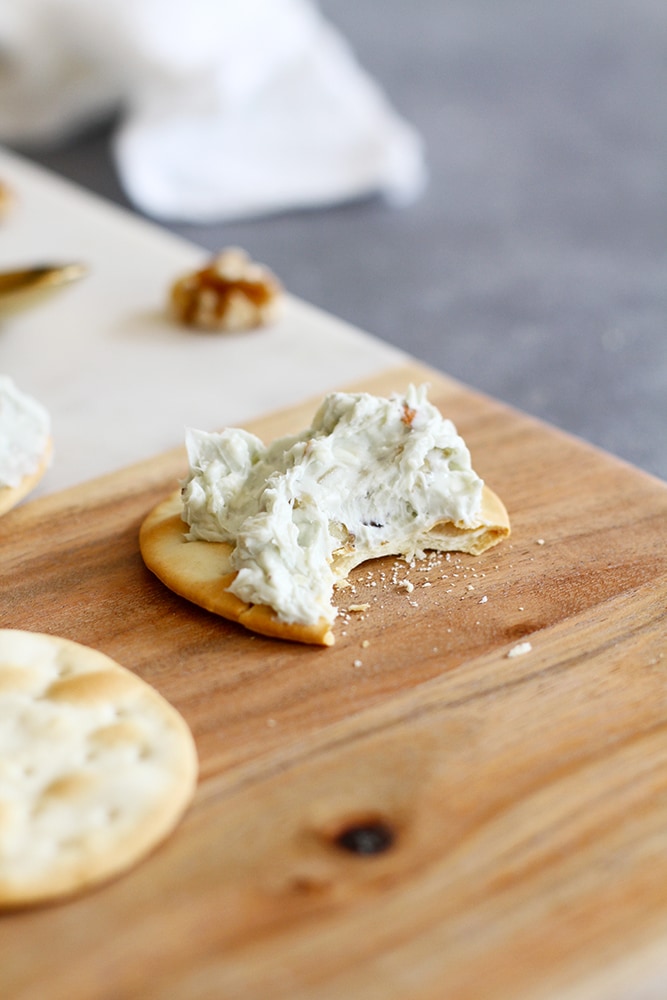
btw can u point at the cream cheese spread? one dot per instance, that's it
(370, 477)
(25, 428)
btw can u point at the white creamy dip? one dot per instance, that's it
(370, 477)
(25, 428)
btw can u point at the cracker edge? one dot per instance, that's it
(201, 572)
(10, 496)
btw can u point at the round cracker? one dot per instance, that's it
(10, 496)
(96, 768)
(202, 571)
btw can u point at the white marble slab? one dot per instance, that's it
(121, 380)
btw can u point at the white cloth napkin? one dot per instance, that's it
(228, 108)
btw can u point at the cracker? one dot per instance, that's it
(202, 571)
(281, 525)
(25, 443)
(10, 496)
(96, 768)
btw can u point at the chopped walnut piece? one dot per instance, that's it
(408, 415)
(231, 293)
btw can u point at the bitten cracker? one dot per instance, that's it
(96, 768)
(264, 534)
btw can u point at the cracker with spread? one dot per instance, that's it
(25, 443)
(263, 534)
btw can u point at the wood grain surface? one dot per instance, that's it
(524, 799)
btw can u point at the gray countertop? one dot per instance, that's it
(534, 266)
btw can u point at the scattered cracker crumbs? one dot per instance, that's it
(365, 644)
(231, 293)
(520, 649)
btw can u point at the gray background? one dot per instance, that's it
(534, 267)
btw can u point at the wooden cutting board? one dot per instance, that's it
(521, 801)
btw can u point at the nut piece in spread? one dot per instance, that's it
(231, 293)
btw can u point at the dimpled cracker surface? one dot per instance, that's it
(96, 768)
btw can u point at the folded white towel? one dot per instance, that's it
(229, 108)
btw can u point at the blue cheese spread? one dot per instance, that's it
(25, 429)
(370, 477)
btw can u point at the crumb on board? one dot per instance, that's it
(520, 649)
